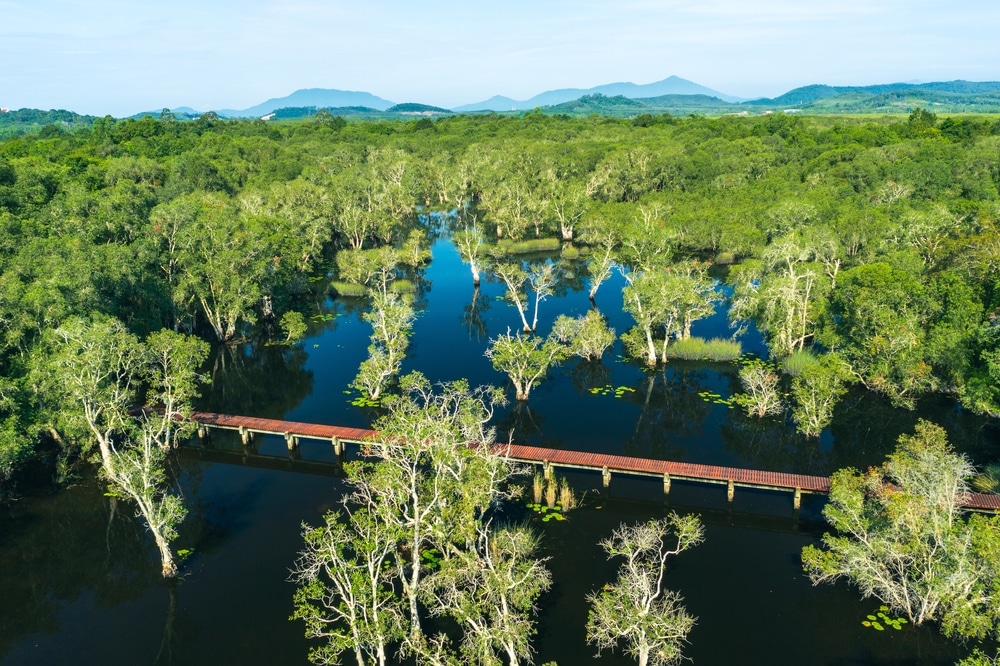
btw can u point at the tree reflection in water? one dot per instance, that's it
(263, 381)
(671, 408)
(472, 316)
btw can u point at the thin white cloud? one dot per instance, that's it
(223, 53)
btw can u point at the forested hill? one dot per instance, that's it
(868, 246)
(944, 96)
(30, 121)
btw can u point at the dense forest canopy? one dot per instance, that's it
(873, 241)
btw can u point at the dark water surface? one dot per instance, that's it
(80, 581)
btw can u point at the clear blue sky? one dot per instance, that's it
(125, 56)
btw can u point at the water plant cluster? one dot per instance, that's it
(880, 620)
(551, 497)
(547, 513)
(717, 399)
(362, 400)
(608, 389)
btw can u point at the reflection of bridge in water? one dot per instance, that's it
(550, 459)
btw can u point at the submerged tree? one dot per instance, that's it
(525, 359)
(588, 336)
(417, 526)
(541, 279)
(762, 397)
(816, 391)
(98, 368)
(664, 305)
(902, 537)
(490, 590)
(636, 611)
(391, 318)
(471, 244)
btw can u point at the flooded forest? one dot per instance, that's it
(814, 296)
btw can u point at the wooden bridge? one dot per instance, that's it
(606, 464)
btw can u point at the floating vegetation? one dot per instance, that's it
(751, 359)
(879, 621)
(607, 389)
(323, 316)
(363, 400)
(717, 399)
(547, 514)
(184, 553)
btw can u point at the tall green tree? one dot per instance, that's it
(95, 371)
(878, 318)
(903, 538)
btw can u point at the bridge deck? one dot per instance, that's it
(602, 462)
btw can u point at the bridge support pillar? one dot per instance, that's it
(338, 446)
(202, 432)
(666, 483)
(291, 441)
(246, 436)
(606, 476)
(730, 491)
(547, 470)
(797, 499)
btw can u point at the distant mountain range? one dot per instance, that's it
(672, 85)
(321, 98)
(672, 95)
(328, 98)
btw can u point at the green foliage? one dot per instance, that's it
(874, 237)
(588, 336)
(293, 325)
(879, 322)
(988, 479)
(348, 289)
(902, 538)
(979, 658)
(798, 362)
(816, 390)
(530, 246)
(525, 359)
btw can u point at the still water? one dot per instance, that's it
(80, 583)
